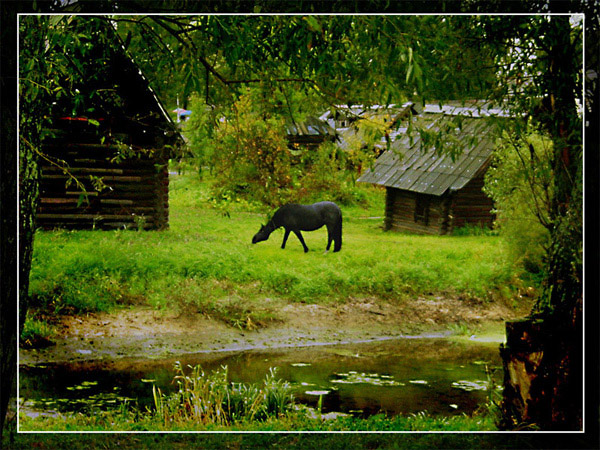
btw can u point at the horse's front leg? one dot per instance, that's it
(285, 237)
(297, 233)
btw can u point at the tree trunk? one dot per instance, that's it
(8, 230)
(28, 198)
(543, 356)
(543, 377)
(15, 282)
(8, 253)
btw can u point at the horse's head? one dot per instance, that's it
(262, 235)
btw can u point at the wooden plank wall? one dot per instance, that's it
(400, 213)
(470, 206)
(311, 142)
(135, 188)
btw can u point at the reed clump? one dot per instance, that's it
(210, 399)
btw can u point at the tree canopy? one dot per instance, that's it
(336, 59)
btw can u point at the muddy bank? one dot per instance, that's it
(141, 332)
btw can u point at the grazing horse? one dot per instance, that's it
(298, 218)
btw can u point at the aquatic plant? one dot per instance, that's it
(212, 399)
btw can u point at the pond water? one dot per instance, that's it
(398, 376)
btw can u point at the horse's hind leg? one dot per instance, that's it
(297, 233)
(337, 236)
(329, 237)
(285, 237)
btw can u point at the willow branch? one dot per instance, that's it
(62, 165)
(531, 181)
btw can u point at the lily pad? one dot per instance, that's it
(476, 385)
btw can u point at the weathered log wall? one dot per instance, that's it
(444, 213)
(136, 192)
(470, 206)
(400, 208)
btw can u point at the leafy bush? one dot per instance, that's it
(520, 183)
(324, 177)
(251, 158)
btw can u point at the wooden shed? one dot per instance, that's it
(432, 194)
(106, 154)
(309, 134)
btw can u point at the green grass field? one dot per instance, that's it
(206, 255)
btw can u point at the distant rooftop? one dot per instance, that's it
(361, 110)
(310, 127)
(468, 111)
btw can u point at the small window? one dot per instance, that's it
(422, 209)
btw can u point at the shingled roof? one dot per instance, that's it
(310, 127)
(409, 165)
(351, 136)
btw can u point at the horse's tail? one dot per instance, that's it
(337, 235)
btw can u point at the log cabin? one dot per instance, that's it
(104, 160)
(433, 192)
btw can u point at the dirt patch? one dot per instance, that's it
(142, 332)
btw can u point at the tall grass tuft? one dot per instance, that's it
(36, 332)
(212, 399)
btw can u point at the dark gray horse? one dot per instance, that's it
(298, 218)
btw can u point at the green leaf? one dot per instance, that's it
(313, 23)
(418, 75)
(55, 20)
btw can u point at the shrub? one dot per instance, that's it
(199, 131)
(251, 158)
(324, 177)
(519, 181)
